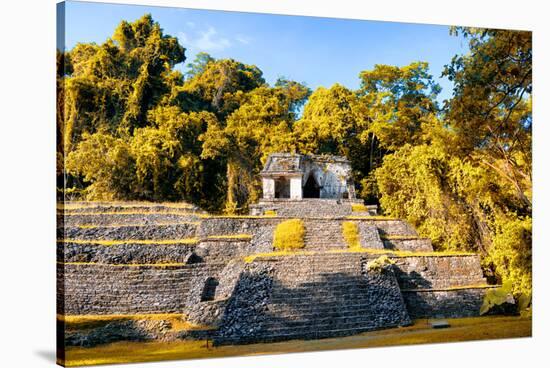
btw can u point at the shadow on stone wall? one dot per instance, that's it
(264, 309)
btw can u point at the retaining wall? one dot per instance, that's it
(108, 289)
(124, 253)
(137, 232)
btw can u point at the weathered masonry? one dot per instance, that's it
(296, 176)
(220, 272)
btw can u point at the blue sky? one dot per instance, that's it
(317, 51)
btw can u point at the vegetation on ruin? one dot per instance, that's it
(380, 264)
(387, 252)
(358, 207)
(270, 213)
(289, 235)
(132, 127)
(350, 232)
(496, 297)
(462, 329)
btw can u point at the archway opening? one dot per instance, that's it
(311, 189)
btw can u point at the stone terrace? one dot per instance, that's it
(134, 258)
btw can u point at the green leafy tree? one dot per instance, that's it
(199, 64)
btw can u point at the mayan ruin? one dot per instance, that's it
(224, 275)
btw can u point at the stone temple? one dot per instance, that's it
(222, 275)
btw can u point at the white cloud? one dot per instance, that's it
(190, 24)
(243, 39)
(208, 40)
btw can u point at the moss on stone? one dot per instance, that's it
(358, 207)
(350, 231)
(289, 235)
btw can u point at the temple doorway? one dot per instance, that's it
(282, 188)
(311, 189)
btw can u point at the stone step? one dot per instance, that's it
(321, 284)
(326, 269)
(320, 301)
(295, 334)
(319, 324)
(311, 312)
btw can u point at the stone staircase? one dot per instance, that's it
(322, 235)
(306, 208)
(327, 295)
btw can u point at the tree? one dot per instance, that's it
(219, 87)
(199, 64)
(334, 122)
(491, 105)
(260, 126)
(109, 88)
(399, 100)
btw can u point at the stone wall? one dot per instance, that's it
(441, 286)
(370, 237)
(130, 218)
(436, 272)
(125, 232)
(124, 253)
(392, 227)
(222, 250)
(444, 303)
(108, 289)
(411, 244)
(261, 230)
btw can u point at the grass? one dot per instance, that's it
(187, 241)
(350, 231)
(390, 253)
(289, 235)
(462, 329)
